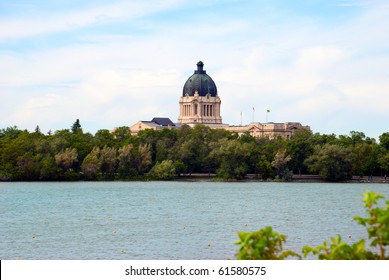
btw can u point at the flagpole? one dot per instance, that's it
(253, 114)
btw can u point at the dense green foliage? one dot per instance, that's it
(332, 162)
(267, 244)
(72, 154)
(163, 171)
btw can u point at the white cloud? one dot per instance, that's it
(43, 23)
(323, 77)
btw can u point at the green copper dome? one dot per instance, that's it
(200, 82)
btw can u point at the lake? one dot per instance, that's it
(170, 220)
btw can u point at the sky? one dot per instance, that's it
(323, 63)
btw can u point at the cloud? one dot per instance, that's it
(44, 23)
(93, 83)
(321, 75)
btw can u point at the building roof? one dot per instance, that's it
(201, 82)
(163, 121)
(150, 123)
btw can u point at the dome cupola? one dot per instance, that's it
(201, 82)
(199, 102)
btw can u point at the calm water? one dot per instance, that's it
(169, 220)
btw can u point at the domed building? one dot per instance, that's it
(200, 102)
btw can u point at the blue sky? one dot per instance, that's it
(112, 63)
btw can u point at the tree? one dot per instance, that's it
(357, 137)
(180, 167)
(264, 168)
(17, 154)
(383, 161)
(56, 143)
(133, 162)
(104, 137)
(163, 171)
(148, 136)
(122, 134)
(76, 127)
(37, 129)
(28, 167)
(82, 142)
(300, 148)
(191, 149)
(280, 163)
(231, 156)
(108, 161)
(365, 158)
(11, 132)
(332, 162)
(125, 157)
(49, 169)
(91, 165)
(67, 159)
(384, 140)
(143, 158)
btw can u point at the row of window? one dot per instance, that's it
(207, 110)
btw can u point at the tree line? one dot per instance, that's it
(72, 154)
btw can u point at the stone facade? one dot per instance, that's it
(269, 130)
(198, 109)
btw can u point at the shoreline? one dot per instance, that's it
(205, 177)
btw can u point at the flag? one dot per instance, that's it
(253, 109)
(267, 111)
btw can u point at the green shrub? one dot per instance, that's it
(163, 171)
(264, 244)
(267, 244)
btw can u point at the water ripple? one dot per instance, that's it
(169, 220)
